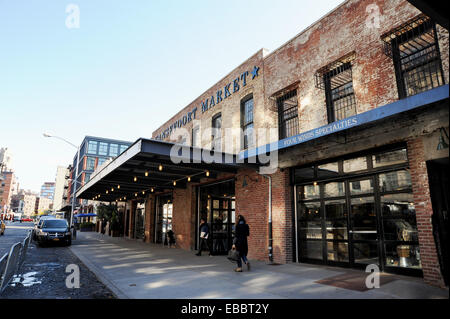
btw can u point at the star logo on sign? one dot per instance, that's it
(255, 72)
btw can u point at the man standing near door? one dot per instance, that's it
(204, 235)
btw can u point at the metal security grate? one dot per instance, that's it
(414, 49)
(337, 73)
(337, 80)
(288, 114)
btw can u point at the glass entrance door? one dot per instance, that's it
(163, 223)
(222, 222)
(139, 221)
(217, 207)
(363, 224)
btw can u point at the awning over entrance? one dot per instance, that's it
(154, 166)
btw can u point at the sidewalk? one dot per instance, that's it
(133, 269)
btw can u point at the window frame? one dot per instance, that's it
(282, 127)
(216, 140)
(330, 101)
(245, 125)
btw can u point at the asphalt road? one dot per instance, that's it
(44, 272)
(15, 232)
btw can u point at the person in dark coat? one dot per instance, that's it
(242, 231)
(204, 235)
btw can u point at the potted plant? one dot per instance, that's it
(109, 213)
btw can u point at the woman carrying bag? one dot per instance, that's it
(242, 231)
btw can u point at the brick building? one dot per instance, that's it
(353, 112)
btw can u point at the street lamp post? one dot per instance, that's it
(74, 180)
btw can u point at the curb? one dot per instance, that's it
(98, 273)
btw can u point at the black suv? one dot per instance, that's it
(54, 230)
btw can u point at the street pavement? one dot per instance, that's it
(43, 274)
(133, 269)
(15, 232)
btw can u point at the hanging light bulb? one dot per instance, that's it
(118, 186)
(207, 173)
(174, 183)
(146, 174)
(112, 189)
(152, 189)
(160, 167)
(135, 179)
(189, 179)
(143, 192)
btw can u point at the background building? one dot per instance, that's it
(48, 190)
(62, 174)
(94, 152)
(5, 159)
(7, 189)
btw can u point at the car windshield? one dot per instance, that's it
(55, 223)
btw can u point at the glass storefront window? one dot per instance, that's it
(337, 251)
(334, 189)
(311, 249)
(309, 192)
(355, 164)
(366, 253)
(399, 217)
(328, 170)
(309, 211)
(363, 218)
(337, 229)
(366, 219)
(390, 158)
(400, 255)
(335, 209)
(361, 187)
(395, 181)
(310, 229)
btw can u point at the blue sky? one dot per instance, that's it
(129, 67)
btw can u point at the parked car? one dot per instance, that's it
(54, 230)
(2, 227)
(26, 219)
(39, 223)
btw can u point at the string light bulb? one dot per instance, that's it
(135, 179)
(207, 173)
(174, 183)
(160, 167)
(146, 174)
(189, 179)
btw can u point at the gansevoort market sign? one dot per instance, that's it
(209, 103)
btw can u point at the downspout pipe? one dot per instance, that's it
(270, 219)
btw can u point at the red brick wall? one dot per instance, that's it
(183, 209)
(252, 201)
(424, 211)
(282, 217)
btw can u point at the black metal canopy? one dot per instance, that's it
(152, 166)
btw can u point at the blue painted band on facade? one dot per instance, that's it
(379, 113)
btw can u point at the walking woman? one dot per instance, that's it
(242, 231)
